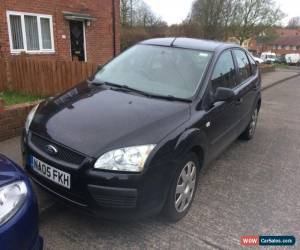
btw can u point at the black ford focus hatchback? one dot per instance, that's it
(131, 140)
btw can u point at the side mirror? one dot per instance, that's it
(223, 94)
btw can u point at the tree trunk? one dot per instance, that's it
(241, 41)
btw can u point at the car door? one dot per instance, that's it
(221, 118)
(246, 89)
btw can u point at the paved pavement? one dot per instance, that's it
(252, 188)
(272, 78)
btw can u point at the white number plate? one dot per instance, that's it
(60, 177)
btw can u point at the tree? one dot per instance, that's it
(213, 17)
(127, 9)
(145, 17)
(139, 22)
(253, 17)
(243, 19)
(268, 36)
(294, 22)
(138, 13)
(185, 29)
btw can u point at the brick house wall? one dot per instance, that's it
(99, 35)
(288, 32)
(287, 42)
(278, 49)
(282, 51)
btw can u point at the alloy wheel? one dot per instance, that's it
(253, 122)
(185, 187)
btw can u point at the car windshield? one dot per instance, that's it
(158, 70)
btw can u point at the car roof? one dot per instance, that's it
(189, 43)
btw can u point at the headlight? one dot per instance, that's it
(30, 118)
(131, 159)
(12, 197)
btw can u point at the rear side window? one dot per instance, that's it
(243, 64)
(224, 72)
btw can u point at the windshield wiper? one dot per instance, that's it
(120, 87)
(170, 98)
(98, 83)
(126, 88)
(148, 94)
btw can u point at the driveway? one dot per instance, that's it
(251, 189)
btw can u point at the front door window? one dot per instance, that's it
(224, 72)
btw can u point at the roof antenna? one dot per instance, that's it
(172, 43)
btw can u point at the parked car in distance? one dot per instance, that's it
(130, 142)
(292, 58)
(18, 209)
(281, 59)
(268, 57)
(257, 59)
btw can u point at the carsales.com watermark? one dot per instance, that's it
(268, 240)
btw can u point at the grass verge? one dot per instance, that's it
(11, 98)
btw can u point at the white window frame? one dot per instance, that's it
(39, 16)
(84, 40)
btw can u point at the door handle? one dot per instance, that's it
(239, 101)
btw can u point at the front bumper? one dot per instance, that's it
(103, 193)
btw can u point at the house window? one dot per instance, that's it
(32, 33)
(294, 48)
(279, 47)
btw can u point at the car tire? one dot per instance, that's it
(183, 188)
(249, 132)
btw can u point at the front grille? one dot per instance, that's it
(115, 201)
(114, 197)
(63, 154)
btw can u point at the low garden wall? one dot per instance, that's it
(12, 119)
(265, 68)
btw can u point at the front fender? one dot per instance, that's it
(193, 139)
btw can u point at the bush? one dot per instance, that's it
(131, 36)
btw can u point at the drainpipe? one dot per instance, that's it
(114, 27)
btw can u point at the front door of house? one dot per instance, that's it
(77, 40)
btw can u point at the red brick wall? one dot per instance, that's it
(12, 120)
(278, 52)
(282, 51)
(287, 32)
(259, 48)
(99, 35)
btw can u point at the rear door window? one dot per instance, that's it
(224, 74)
